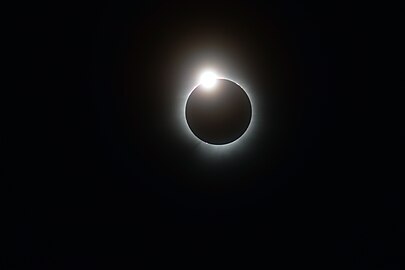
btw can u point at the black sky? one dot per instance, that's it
(99, 176)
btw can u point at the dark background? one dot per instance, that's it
(98, 177)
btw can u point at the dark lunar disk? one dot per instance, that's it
(219, 115)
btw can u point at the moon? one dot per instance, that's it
(218, 111)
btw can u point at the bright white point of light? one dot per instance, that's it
(208, 79)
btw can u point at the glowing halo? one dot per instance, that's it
(239, 145)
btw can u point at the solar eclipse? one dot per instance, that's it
(218, 111)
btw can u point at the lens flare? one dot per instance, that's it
(208, 79)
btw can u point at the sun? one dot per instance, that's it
(208, 79)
